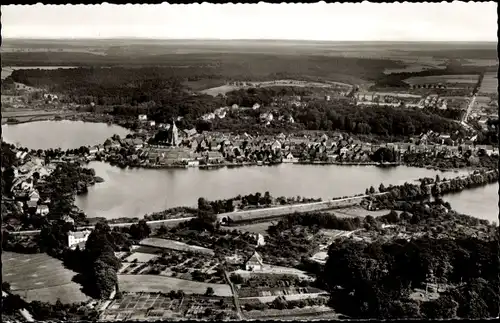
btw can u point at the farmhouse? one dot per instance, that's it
(77, 238)
(254, 262)
(143, 117)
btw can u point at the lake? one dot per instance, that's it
(60, 134)
(480, 202)
(136, 192)
(7, 70)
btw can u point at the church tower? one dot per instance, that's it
(174, 135)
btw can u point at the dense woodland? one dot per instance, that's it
(376, 279)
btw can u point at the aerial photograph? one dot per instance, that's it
(238, 162)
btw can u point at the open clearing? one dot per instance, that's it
(223, 89)
(153, 283)
(141, 257)
(357, 212)
(174, 245)
(40, 277)
(481, 62)
(464, 78)
(230, 87)
(260, 227)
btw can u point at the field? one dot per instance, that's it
(275, 270)
(358, 212)
(40, 277)
(140, 257)
(481, 62)
(260, 227)
(153, 283)
(223, 89)
(450, 79)
(489, 84)
(174, 245)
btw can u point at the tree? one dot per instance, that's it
(209, 291)
(381, 188)
(372, 190)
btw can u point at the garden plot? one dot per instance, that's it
(40, 277)
(171, 263)
(155, 283)
(312, 312)
(174, 245)
(266, 294)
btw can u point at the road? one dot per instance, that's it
(235, 296)
(467, 112)
(155, 223)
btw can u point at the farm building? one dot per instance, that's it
(254, 262)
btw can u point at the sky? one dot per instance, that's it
(457, 21)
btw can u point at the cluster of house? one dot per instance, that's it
(433, 141)
(26, 196)
(389, 99)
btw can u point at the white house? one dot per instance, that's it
(260, 240)
(256, 106)
(34, 196)
(254, 262)
(289, 158)
(42, 210)
(152, 123)
(68, 219)
(266, 117)
(276, 145)
(77, 238)
(93, 150)
(143, 117)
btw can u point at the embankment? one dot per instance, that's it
(270, 213)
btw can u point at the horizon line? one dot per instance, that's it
(244, 39)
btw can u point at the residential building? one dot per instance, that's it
(254, 262)
(34, 196)
(289, 158)
(31, 205)
(42, 210)
(143, 117)
(77, 238)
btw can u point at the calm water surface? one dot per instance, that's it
(136, 192)
(480, 202)
(60, 134)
